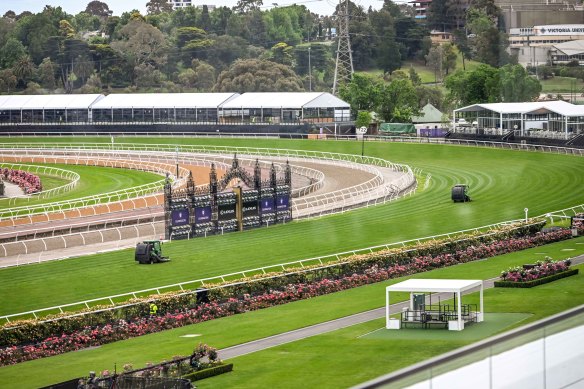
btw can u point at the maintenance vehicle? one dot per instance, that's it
(150, 251)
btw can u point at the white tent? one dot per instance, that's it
(436, 286)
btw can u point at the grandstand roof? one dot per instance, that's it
(17, 102)
(571, 48)
(296, 100)
(559, 107)
(164, 100)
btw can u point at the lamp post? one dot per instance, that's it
(309, 72)
(176, 150)
(526, 210)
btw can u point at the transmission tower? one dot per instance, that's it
(344, 65)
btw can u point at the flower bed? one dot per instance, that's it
(180, 310)
(28, 182)
(542, 272)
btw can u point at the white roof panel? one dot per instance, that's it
(295, 100)
(164, 100)
(433, 285)
(508, 108)
(74, 101)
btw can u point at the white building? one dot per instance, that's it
(533, 45)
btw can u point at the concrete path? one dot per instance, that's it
(333, 325)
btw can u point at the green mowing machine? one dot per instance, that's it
(460, 193)
(150, 251)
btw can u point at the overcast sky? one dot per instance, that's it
(322, 7)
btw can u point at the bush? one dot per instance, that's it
(210, 372)
(536, 282)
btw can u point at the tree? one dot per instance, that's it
(86, 22)
(282, 53)
(480, 85)
(201, 76)
(204, 21)
(155, 7)
(192, 43)
(23, 69)
(141, 44)
(46, 74)
(362, 93)
(98, 8)
(147, 76)
(66, 30)
(414, 76)
(8, 80)
(435, 62)
(244, 6)
(363, 119)
(517, 85)
(398, 101)
(253, 75)
(448, 57)
(11, 53)
(227, 49)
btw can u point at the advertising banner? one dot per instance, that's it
(282, 203)
(179, 217)
(250, 208)
(227, 212)
(202, 215)
(267, 205)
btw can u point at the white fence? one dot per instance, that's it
(68, 175)
(188, 286)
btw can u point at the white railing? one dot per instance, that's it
(188, 286)
(72, 177)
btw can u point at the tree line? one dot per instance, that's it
(244, 48)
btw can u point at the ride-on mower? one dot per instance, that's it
(150, 251)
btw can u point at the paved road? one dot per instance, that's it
(333, 325)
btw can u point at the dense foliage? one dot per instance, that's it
(240, 49)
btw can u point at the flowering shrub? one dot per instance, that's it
(28, 182)
(544, 268)
(578, 223)
(248, 296)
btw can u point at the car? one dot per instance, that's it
(470, 36)
(461, 122)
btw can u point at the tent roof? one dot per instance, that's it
(77, 101)
(429, 114)
(430, 285)
(560, 107)
(571, 48)
(296, 100)
(164, 100)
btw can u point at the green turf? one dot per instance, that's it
(503, 183)
(494, 323)
(565, 85)
(341, 351)
(93, 181)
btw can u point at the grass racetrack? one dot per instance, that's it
(337, 359)
(502, 182)
(94, 180)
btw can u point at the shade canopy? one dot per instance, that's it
(432, 285)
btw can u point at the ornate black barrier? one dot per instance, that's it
(212, 209)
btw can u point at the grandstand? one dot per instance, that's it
(173, 108)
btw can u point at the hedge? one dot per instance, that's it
(464, 248)
(539, 281)
(210, 372)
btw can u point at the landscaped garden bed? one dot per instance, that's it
(530, 275)
(46, 338)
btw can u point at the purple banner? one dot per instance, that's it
(179, 217)
(202, 215)
(267, 205)
(282, 203)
